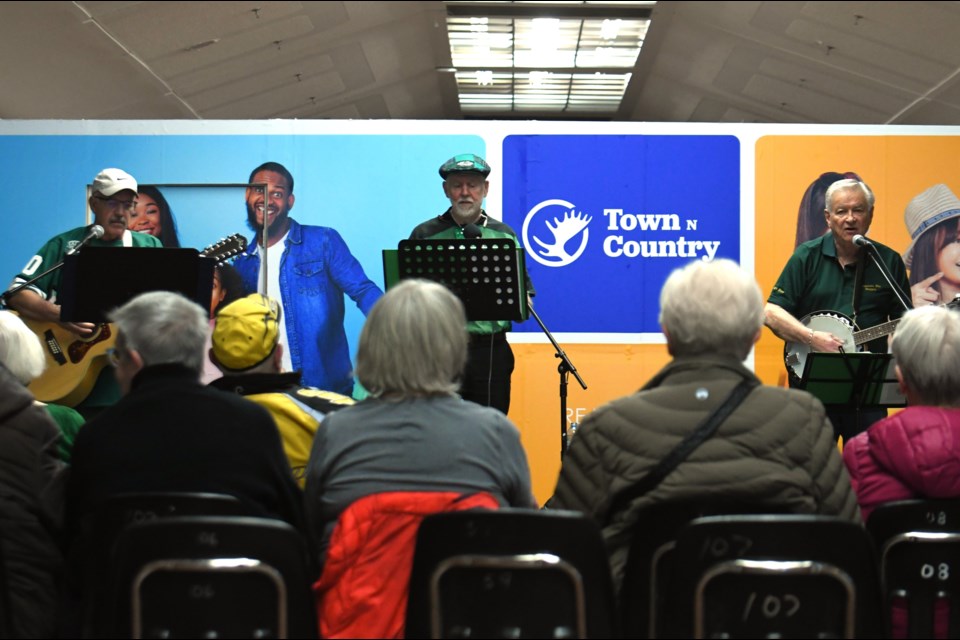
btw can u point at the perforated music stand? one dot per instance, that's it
(852, 380)
(99, 279)
(487, 274)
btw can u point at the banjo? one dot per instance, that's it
(795, 353)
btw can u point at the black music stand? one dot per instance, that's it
(489, 277)
(99, 279)
(487, 274)
(852, 380)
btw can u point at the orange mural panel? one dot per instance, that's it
(896, 168)
(609, 370)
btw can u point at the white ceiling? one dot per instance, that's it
(818, 62)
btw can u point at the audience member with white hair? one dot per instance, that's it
(776, 448)
(22, 353)
(30, 499)
(915, 453)
(412, 448)
(169, 432)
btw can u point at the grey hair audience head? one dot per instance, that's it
(926, 347)
(711, 307)
(163, 327)
(414, 342)
(20, 348)
(843, 185)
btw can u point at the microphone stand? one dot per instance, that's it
(95, 231)
(565, 368)
(6, 295)
(872, 252)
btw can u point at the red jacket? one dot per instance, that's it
(912, 454)
(362, 592)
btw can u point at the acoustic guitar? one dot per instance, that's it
(74, 363)
(795, 353)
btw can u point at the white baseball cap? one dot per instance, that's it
(111, 181)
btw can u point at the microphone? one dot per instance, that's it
(96, 231)
(861, 241)
(471, 231)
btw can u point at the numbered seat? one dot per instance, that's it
(100, 528)
(210, 576)
(919, 542)
(510, 573)
(784, 576)
(223, 598)
(650, 559)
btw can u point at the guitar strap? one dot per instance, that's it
(858, 286)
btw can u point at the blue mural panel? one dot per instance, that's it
(373, 189)
(605, 219)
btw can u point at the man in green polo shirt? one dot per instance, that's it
(113, 196)
(832, 273)
(490, 360)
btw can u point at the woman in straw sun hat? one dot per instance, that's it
(933, 257)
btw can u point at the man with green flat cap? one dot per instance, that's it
(486, 379)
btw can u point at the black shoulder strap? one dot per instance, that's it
(679, 453)
(858, 284)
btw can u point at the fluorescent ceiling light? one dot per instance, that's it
(549, 57)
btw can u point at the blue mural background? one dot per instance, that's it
(686, 189)
(372, 188)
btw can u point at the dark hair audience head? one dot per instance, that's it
(227, 287)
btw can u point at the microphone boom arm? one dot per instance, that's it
(6, 295)
(901, 297)
(95, 231)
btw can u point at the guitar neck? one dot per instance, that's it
(873, 333)
(888, 327)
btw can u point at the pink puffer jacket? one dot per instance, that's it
(913, 454)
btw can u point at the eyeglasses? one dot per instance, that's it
(113, 356)
(129, 205)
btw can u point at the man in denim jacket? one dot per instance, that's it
(311, 268)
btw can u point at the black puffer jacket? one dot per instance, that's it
(776, 448)
(29, 509)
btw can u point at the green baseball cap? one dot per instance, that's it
(465, 162)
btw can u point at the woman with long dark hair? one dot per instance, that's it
(152, 215)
